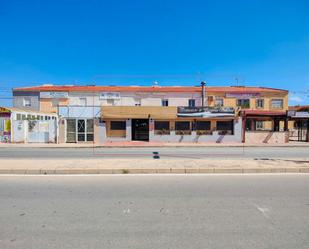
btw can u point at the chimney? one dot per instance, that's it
(203, 83)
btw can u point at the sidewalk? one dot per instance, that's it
(147, 144)
(150, 166)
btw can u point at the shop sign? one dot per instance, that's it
(54, 95)
(242, 95)
(109, 95)
(4, 110)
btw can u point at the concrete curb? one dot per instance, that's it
(163, 145)
(153, 171)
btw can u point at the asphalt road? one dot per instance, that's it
(170, 211)
(164, 152)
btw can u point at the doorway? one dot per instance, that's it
(79, 130)
(140, 129)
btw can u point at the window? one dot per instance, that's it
(118, 125)
(259, 125)
(18, 116)
(162, 127)
(202, 125)
(55, 102)
(219, 102)
(225, 127)
(110, 102)
(191, 102)
(260, 103)
(182, 128)
(137, 101)
(27, 102)
(23, 117)
(277, 103)
(243, 103)
(164, 102)
(82, 101)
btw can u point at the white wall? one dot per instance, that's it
(131, 99)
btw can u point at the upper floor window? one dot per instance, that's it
(243, 103)
(55, 102)
(191, 102)
(260, 103)
(277, 103)
(138, 101)
(27, 102)
(110, 102)
(219, 102)
(82, 101)
(164, 102)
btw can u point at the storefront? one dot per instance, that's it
(77, 123)
(299, 117)
(24, 126)
(269, 127)
(170, 124)
(5, 125)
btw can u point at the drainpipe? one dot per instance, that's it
(203, 83)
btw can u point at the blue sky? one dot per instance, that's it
(262, 43)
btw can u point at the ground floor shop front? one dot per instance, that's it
(167, 124)
(178, 130)
(23, 126)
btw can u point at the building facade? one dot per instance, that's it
(102, 114)
(27, 126)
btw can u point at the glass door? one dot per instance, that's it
(71, 130)
(81, 130)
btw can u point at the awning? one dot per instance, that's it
(142, 112)
(263, 113)
(206, 114)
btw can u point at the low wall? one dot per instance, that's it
(268, 137)
(194, 138)
(172, 137)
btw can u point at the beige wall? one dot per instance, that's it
(62, 131)
(114, 133)
(267, 137)
(232, 102)
(46, 105)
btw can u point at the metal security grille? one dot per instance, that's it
(81, 130)
(71, 131)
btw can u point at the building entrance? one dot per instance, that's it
(140, 129)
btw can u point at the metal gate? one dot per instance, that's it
(300, 131)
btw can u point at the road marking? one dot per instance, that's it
(264, 210)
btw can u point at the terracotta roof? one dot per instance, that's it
(298, 107)
(181, 89)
